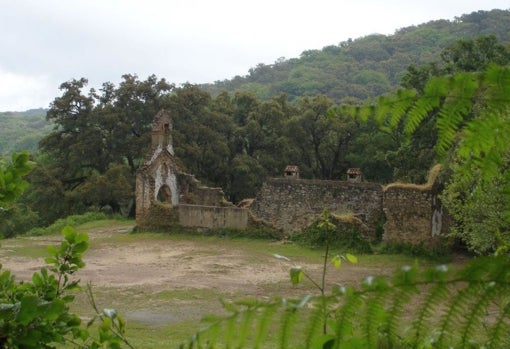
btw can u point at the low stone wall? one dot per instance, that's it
(414, 216)
(212, 217)
(159, 216)
(291, 204)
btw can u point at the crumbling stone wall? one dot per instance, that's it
(291, 204)
(193, 192)
(412, 213)
(159, 216)
(415, 215)
(168, 198)
(211, 217)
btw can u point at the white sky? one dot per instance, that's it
(46, 42)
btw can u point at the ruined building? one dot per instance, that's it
(167, 197)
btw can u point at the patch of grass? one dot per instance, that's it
(74, 221)
(145, 336)
(349, 240)
(21, 248)
(440, 254)
(106, 223)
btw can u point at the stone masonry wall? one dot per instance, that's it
(291, 204)
(166, 197)
(211, 217)
(414, 215)
(158, 216)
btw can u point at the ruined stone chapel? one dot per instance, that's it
(168, 198)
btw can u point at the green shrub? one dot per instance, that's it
(73, 220)
(16, 219)
(345, 236)
(247, 233)
(439, 253)
(36, 314)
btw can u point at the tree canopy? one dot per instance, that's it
(369, 66)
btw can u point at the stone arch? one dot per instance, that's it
(164, 194)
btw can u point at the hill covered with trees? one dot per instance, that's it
(22, 130)
(364, 67)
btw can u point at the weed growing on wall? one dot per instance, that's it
(346, 235)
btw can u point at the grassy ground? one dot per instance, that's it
(165, 310)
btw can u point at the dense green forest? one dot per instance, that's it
(22, 130)
(236, 140)
(364, 67)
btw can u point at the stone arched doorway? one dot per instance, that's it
(164, 194)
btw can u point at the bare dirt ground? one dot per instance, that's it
(131, 272)
(174, 264)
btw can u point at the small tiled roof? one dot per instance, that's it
(291, 168)
(354, 171)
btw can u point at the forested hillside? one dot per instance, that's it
(361, 68)
(22, 130)
(368, 66)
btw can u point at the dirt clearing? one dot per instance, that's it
(164, 279)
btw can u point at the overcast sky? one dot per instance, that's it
(46, 42)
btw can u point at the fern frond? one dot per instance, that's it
(393, 323)
(404, 101)
(287, 320)
(466, 309)
(314, 325)
(375, 313)
(246, 322)
(265, 317)
(475, 312)
(230, 331)
(486, 142)
(346, 313)
(403, 286)
(501, 328)
(455, 109)
(364, 112)
(435, 90)
(496, 84)
(383, 108)
(451, 317)
(424, 318)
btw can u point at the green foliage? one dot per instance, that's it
(73, 220)
(323, 142)
(36, 313)
(346, 235)
(369, 66)
(259, 233)
(21, 131)
(479, 209)
(12, 172)
(321, 316)
(440, 254)
(415, 308)
(472, 125)
(16, 218)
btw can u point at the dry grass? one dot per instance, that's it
(431, 179)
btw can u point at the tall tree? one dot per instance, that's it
(323, 141)
(94, 132)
